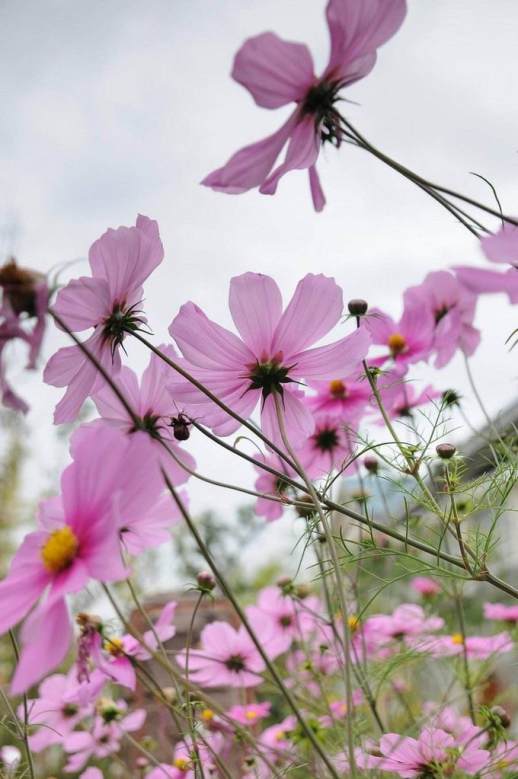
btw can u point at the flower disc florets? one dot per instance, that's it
(269, 376)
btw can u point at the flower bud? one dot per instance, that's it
(357, 307)
(451, 398)
(169, 694)
(285, 583)
(302, 591)
(445, 451)
(500, 716)
(371, 464)
(206, 581)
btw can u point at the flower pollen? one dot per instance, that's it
(60, 549)
(396, 343)
(337, 388)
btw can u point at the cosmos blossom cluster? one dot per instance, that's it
(387, 654)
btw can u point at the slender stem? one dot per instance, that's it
(308, 732)
(339, 582)
(467, 675)
(25, 728)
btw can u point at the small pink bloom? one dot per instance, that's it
(278, 72)
(477, 647)
(54, 713)
(109, 302)
(292, 619)
(400, 397)
(183, 764)
(271, 353)
(91, 773)
(105, 737)
(425, 586)
(501, 611)
(504, 761)
(346, 397)
(453, 309)
(407, 621)
(329, 447)
(339, 710)
(407, 341)
(250, 713)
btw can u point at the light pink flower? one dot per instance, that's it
(477, 647)
(407, 620)
(155, 409)
(278, 72)
(434, 750)
(91, 773)
(504, 761)
(339, 710)
(250, 713)
(425, 586)
(501, 611)
(54, 713)
(453, 309)
(185, 759)
(269, 484)
(294, 620)
(105, 737)
(109, 302)
(407, 341)
(346, 397)
(271, 353)
(400, 397)
(77, 540)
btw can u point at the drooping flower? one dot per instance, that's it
(109, 302)
(155, 409)
(407, 341)
(346, 397)
(77, 540)
(452, 306)
(432, 752)
(271, 354)
(277, 72)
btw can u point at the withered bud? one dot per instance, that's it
(206, 581)
(19, 287)
(371, 464)
(85, 620)
(357, 307)
(445, 451)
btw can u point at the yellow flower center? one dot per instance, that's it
(207, 715)
(251, 714)
(353, 623)
(60, 549)
(280, 735)
(114, 646)
(396, 343)
(182, 763)
(337, 388)
(457, 638)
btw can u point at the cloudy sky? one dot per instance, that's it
(113, 108)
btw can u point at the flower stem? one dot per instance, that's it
(25, 726)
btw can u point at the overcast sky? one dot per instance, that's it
(113, 108)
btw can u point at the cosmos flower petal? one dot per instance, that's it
(255, 303)
(302, 153)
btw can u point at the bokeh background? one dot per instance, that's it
(113, 108)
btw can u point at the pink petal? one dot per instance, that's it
(256, 306)
(502, 246)
(298, 420)
(481, 281)
(249, 167)
(152, 392)
(314, 309)
(206, 344)
(108, 404)
(326, 362)
(46, 637)
(274, 71)
(125, 257)
(83, 303)
(380, 326)
(356, 30)
(317, 193)
(302, 153)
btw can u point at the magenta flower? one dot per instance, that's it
(186, 759)
(339, 710)
(407, 341)
(278, 72)
(433, 752)
(109, 302)
(155, 410)
(77, 540)
(346, 397)
(271, 354)
(452, 306)
(501, 612)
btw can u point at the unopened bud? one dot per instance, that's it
(371, 464)
(285, 583)
(206, 581)
(445, 451)
(451, 398)
(500, 716)
(357, 307)
(169, 694)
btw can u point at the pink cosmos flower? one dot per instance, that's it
(228, 657)
(91, 773)
(425, 586)
(453, 309)
(329, 447)
(346, 398)
(278, 72)
(185, 759)
(105, 736)
(449, 719)
(293, 620)
(116, 663)
(407, 341)
(339, 710)
(271, 353)
(501, 612)
(154, 408)
(407, 620)
(276, 745)
(109, 302)
(477, 647)
(434, 750)
(400, 397)
(54, 713)
(77, 540)
(269, 484)
(504, 761)
(250, 713)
